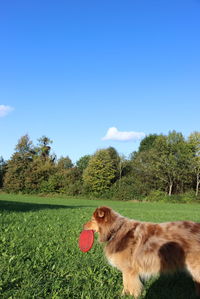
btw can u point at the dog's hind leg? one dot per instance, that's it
(132, 284)
(195, 273)
(197, 287)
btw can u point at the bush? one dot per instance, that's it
(74, 188)
(157, 195)
(161, 196)
(187, 197)
(125, 189)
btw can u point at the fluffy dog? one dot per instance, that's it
(143, 249)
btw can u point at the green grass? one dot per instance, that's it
(39, 256)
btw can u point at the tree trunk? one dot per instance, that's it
(197, 185)
(170, 188)
(120, 172)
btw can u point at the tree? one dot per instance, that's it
(165, 165)
(82, 163)
(29, 167)
(43, 149)
(38, 174)
(99, 174)
(116, 163)
(73, 184)
(58, 178)
(171, 159)
(143, 172)
(194, 140)
(147, 142)
(2, 171)
(18, 165)
(125, 167)
(25, 146)
(64, 163)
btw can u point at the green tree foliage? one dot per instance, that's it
(164, 164)
(82, 163)
(100, 173)
(25, 146)
(117, 163)
(43, 149)
(18, 165)
(194, 141)
(73, 182)
(2, 171)
(147, 142)
(172, 161)
(29, 166)
(64, 163)
(65, 179)
(125, 167)
(38, 174)
(143, 174)
(14, 180)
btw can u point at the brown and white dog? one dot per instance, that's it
(143, 249)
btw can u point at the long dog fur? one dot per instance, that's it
(143, 249)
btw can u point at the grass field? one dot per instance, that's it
(39, 256)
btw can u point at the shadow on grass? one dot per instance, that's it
(178, 286)
(14, 206)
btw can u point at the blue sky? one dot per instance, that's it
(93, 74)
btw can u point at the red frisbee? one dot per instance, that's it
(86, 240)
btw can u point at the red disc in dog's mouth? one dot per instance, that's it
(86, 240)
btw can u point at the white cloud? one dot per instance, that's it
(4, 110)
(114, 134)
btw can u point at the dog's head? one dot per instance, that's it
(102, 222)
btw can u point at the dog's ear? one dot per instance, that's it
(102, 214)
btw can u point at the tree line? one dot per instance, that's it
(164, 165)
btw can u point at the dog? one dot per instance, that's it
(140, 249)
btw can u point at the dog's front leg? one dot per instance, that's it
(132, 284)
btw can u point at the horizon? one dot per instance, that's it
(122, 136)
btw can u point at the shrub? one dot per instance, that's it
(157, 195)
(187, 197)
(125, 189)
